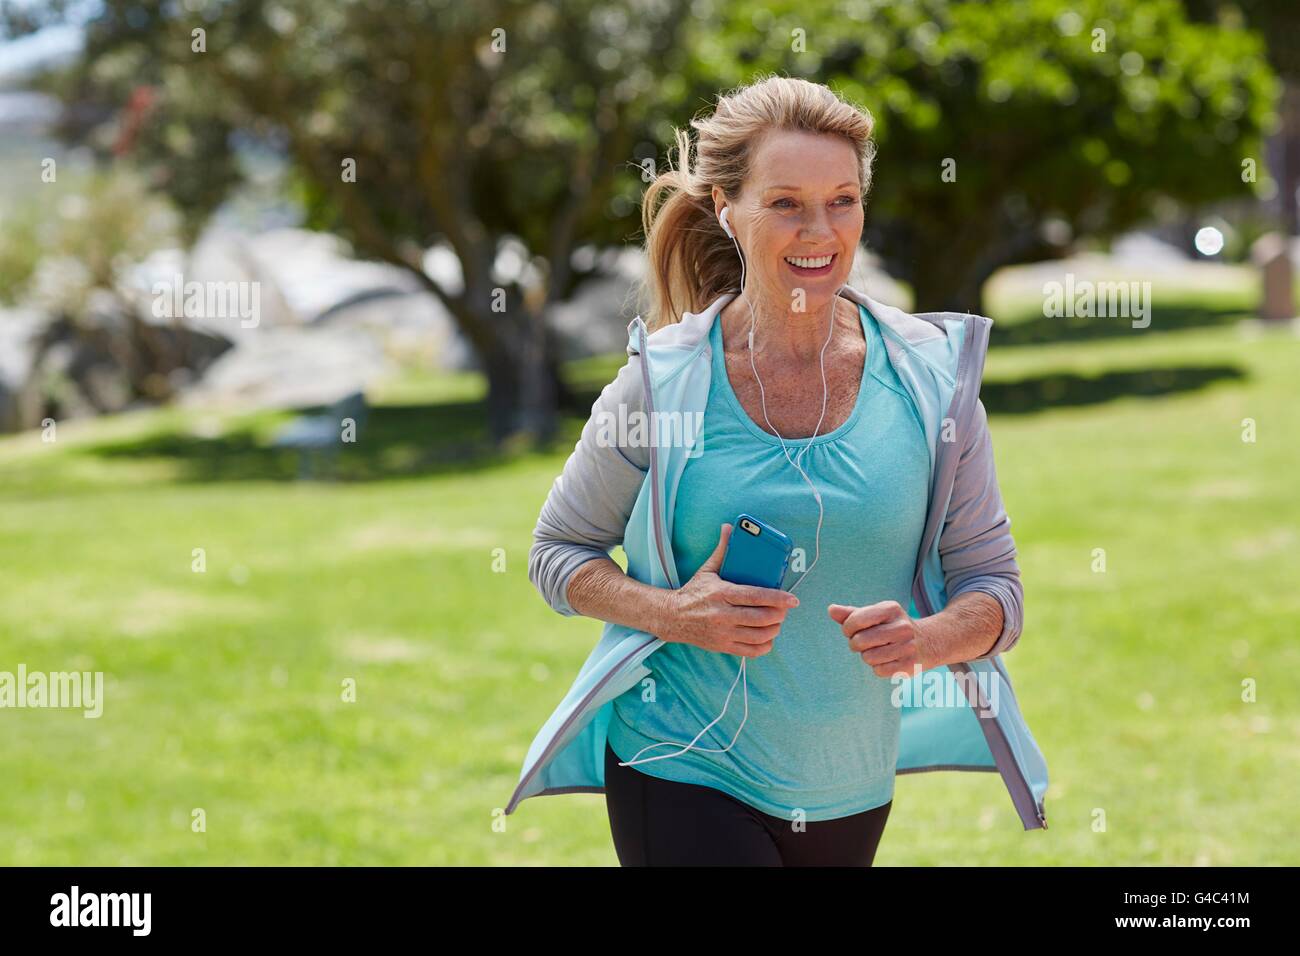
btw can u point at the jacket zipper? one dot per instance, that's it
(655, 505)
(1018, 778)
(663, 563)
(582, 706)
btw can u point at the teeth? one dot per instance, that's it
(810, 263)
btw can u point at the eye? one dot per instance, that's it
(848, 200)
(784, 200)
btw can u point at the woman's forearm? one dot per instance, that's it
(601, 589)
(964, 630)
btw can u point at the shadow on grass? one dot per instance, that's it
(1041, 330)
(404, 441)
(395, 441)
(1064, 389)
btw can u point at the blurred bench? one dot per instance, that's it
(317, 438)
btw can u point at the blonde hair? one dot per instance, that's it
(690, 260)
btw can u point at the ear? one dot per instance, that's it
(720, 202)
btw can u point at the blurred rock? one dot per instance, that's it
(329, 325)
(20, 405)
(105, 362)
(1143, 249)
(289, 368)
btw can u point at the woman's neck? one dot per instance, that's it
(779, 332)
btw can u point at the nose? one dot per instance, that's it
(816, 224)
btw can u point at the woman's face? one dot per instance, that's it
(800, 202)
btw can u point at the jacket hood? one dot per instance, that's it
(694, 326)
(943, 342)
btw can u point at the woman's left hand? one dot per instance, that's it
(886, 638)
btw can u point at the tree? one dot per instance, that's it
(1055, 121)
(506, 129)
(509, 130)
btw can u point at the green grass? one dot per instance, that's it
(224, 687)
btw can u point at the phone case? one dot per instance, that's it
(755, 559)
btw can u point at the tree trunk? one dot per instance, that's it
(940, 284)
(525, 389)
(1288, 151)
(518, 355)
(948, 271)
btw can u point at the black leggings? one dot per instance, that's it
(658, 822)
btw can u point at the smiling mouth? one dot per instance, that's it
(810, 263)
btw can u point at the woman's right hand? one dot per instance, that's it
(718, 615)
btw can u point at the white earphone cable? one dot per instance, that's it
(741, 674)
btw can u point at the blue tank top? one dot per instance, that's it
(821, 736)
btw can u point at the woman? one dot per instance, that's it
(853, 428)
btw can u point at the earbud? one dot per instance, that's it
(726, 226)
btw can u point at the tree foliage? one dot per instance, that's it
(510, 130)
(1088, 116)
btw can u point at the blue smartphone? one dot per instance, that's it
(757, 554)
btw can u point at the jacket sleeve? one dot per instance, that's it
(975, 545)
(587, 510)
